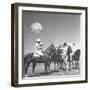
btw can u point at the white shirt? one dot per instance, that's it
(38, 50)
(74, 48)
(64, 56)
(64, 50)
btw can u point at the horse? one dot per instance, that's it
(76, 58)
(56, 57)
(60, 62)
(46, 59)
(65, 59)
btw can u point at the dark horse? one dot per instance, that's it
(46, 59)
(76, 58)
(56, 57)
(60, 59)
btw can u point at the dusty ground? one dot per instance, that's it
(39, 71)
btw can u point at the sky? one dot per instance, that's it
(55, 27)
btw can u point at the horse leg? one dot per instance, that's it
(26, 68)
(57, 65)
(33, 67)
(77, 64)
(45, 67)
(49, 66)
(70, 65)
(54, 65)
(65, 67)
(61, 66)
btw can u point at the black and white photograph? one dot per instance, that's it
(51, 44)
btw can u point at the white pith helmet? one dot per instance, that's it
(38, 40)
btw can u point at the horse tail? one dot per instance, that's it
(25, 59)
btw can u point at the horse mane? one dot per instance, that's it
(46, 50)
(49, 49)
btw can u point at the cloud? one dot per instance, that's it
(36, 27)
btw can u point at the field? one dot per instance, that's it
(40, 71)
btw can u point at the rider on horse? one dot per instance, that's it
(64, 48)
(73, 46)
(38, 48)
(72, 54)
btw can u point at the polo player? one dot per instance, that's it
(38, 48)
(64, 48)
(73, 49)
(65, 56)
(72, 54)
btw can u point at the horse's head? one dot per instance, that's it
(52, 49)
(77, 52)
(76, 55)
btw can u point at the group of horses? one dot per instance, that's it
(53, 55)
